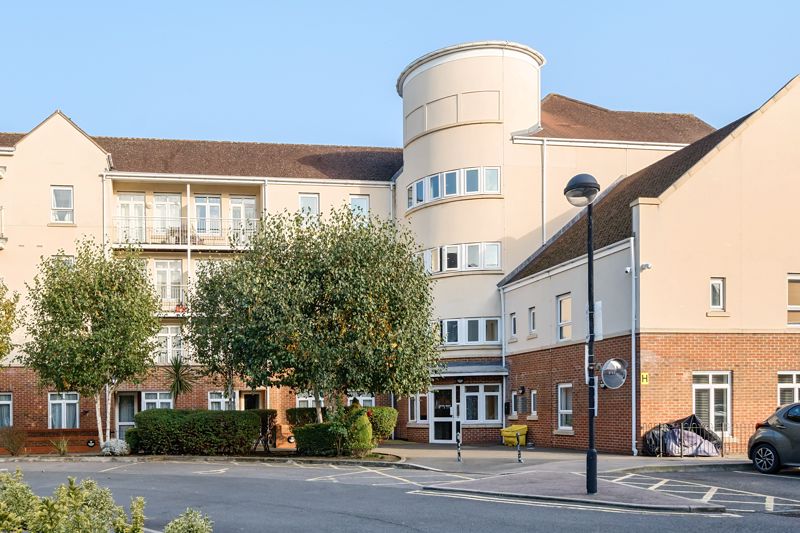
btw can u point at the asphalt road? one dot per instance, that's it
(269, 497)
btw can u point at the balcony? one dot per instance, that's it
(173, 298)
(171, 233)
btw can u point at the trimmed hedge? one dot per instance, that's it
(300, 416)
(194, 432)
(315, 439)
(359, 434)
(383, 420)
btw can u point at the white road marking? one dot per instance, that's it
(710, 494)
(769, 503)
(148, 530)
(660, 483)
(393, 477)
(621, 478)
(211, 472)
(115, 467)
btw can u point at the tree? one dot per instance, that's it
(8, 319)
(181, 378)
(328, 305)
(91, 323)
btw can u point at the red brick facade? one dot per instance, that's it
(669, 360)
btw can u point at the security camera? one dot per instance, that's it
(628, 270)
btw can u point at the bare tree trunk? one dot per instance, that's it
(99, 420)
(231, 402)
(318, 404)
(108, 414)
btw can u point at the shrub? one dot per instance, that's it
(61, 445)
(191, 521)
(132, 439)
(300, 416)
(184, 432)
(115, 447)
(13, 439)
(383, 420)
(359, 433)
(315, 439)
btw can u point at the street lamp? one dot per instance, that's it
(581, 191)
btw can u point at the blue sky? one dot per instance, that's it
(324, 72)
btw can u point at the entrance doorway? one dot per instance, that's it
(126, 410)
(442, 414)
(252, 400)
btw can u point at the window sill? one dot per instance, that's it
(481, 424)
(512, 340)
(62, 225)
(533, 417)
(717, 313)
(417, 425)
(567, 432)
(513, 417)
(471, 272)
(533, 336)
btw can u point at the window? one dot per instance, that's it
(170, 344)
(68, 260)
(419, 192)
(473, 256)
(712, 399)
(434, 182)
(514, 403)
(169, 276)
(717, 294)
(491, 330)
(491, 180)
(156, 400)
(306, 399)
(208, 210)
(788, 387)
(364, 400)
(6, 410)
(131, 222)
(435, 261)
(531, 320)
(481, 403)
(218, 402)
(167, 213)
(63, 408)
(309, 205)
(564, 310)
(359, 204)
(451, 183)
(62, 208)
(793, 314)
(565, 406)
(451, 256)
(243, 217)
(491, 255)
(450, 330)
(410, 192)
(512, 320)
(472, 180)
(418, 408)
(534, 403)
(473, 330)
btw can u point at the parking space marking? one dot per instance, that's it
(211, 472)
(659, 484)
(710, 494)
(115, 467)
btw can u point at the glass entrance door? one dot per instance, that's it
(443, 415)
(126, 410)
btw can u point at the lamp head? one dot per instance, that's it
(581, 190)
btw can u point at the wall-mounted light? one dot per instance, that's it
(459, 380)
(521, 390)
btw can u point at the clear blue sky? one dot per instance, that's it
(325, 72)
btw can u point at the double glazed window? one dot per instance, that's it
(6, 410)
(209, 212)
(712, 399)
(459, 182)
(458, 257)
(788, 387)
(418, 408)
(512, 324)
(470, 331)
(63, 410)
(717, 294)
(364, 400)
(169, 277)
(482, 403)
(217, 401)
(62, 208)
(359, 204)
(793, 309)
(167, 214)
(243, 217)
(156, 400)
(309, 204)
(131, 221)
(306, 399)
(565, 406)
(564, 315)
(170, 344)
(531, 320)
(534, 403)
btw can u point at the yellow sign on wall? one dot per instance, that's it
(645, 378)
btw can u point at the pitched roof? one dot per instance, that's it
(567, 118)
(612, 212)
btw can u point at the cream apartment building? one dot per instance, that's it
(478, 179)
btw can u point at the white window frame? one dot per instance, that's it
(311, 196)
(711, 387)
(479, 263)
(410, 197)
(167, 290)
(414, 412)
(222, 400)
(457, 181)
(512, 325)
(173, 348)
(438, 179)
(532, 320)
(789, 279)
(307, 397)
(447, 250)
(357, 210)
(361, 397)
(534, 403)
(477, 321)
(464, 179)
(63, 402)
(484, 263)
(793, 386)
(484, 324)
(54, 208)
(720, 282)
(562, 324)
(163, 400)
(212, 225)
(164, 207)
(486, 190)
(562, 411)
(462, 325)
(513, 410)
(419, 185)
(445, 338)
(10, 404)
(481, 394)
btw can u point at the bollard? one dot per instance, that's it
(458, 445)
(519, 450)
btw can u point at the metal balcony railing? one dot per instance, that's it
(173, 298)
(160, 231)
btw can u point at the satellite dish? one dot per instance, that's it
(614, 372)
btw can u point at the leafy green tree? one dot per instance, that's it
(91, 324)
(323, 304)
(8, 319)
(181, 376)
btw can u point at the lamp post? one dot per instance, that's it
(581, 191)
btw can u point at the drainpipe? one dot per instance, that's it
(634, 375)
(502, 333)
(544, 191)
(103, 207)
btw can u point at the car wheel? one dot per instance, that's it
(766, 459)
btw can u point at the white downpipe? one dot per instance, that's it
(544, 191)
(634, 374)
(503, 350)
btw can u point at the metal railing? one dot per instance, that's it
(162, 231)
(687, 440)
(173, 298)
